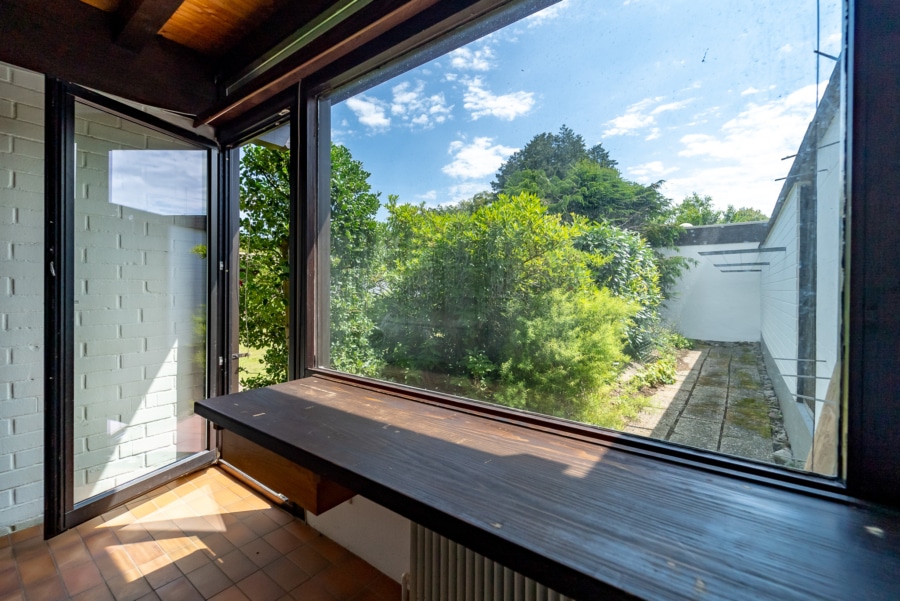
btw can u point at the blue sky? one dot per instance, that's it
(707, 95)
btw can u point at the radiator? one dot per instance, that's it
(442, 570)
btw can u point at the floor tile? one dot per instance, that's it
(179, 544)
(179, 590)
(80, 578)
(259, 587)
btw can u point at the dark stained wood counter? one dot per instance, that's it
(591, 521)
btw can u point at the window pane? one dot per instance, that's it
(264, 273)
(140, 300)
(628, 216)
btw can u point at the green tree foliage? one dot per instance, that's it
(552, 155)
(574, 180)
(265, 202)
(699, 210)
(501, 294)
(629, 270)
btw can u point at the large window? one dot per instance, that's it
(625, 216)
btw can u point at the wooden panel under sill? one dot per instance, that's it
(591, 520)
(307, 489)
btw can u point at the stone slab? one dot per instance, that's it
(696, 433)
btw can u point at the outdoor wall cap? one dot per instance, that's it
(723, 233)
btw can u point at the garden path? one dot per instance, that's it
(718, 403)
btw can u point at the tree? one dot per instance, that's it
(699, 210)
(264, 272)
(501, 296)
(552, 155)
(742, 215)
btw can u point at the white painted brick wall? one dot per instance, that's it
(139, 291)
(21, 298)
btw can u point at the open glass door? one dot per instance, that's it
(140, 300)
(135, 211)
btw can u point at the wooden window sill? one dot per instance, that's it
(589, 520)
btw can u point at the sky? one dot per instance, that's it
(708, 95)
(164, 182)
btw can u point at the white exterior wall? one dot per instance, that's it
(711, 305)
(139, 362)
(21, 297)
(780, 292)
(829, 250)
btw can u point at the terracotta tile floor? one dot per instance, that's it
(204, 536)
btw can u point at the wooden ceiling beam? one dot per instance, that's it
(72, 40)
(138, 21)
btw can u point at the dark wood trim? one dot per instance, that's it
(59, 165)
(297, 308)
(363, 27)
(425, 36)
(268, 115)
(138, 21)
(275, 30)
(110, 499)
(872, 368)
(72, 41)
(588, 520)
(719, 463)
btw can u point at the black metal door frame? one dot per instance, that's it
(60, 510)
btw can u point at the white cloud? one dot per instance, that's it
(476, 160)
(481, 102)
(466, 59)
(652, 171)
(671, 106)
(414, 108)
(642, 115)
(548, 14)
(786, 48)
(370, 111)
(427, 196)
(465, 191)
(749, 91)
(654, 134)
(739, 164)
(450, 76)
(634, 118)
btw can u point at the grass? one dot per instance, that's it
(253, 364)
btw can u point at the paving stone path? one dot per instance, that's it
(717, 403)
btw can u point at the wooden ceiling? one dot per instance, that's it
(211, 27)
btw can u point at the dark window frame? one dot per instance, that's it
(871, 417)
(61, 512)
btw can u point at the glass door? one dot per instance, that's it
(133, 293)
(140, 267)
